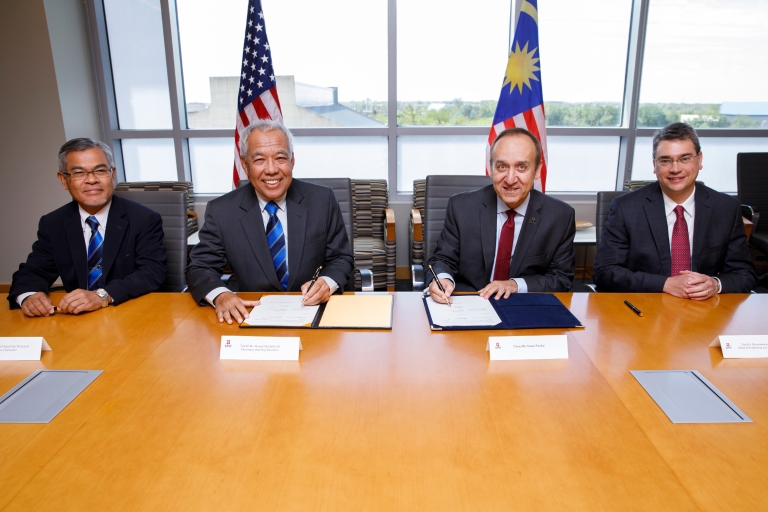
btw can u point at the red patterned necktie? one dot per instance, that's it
(681, 246)
(504, 253)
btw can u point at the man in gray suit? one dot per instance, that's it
(274, 234)
(507, 237)
(675, 235)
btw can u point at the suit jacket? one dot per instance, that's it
(133, 258)
(544, 254)
(634, 253)
(234, 233)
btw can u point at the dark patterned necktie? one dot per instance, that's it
(276, 241)
(95, 245)
(504, 253)
(681, 245)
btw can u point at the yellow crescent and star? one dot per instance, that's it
(522, 63)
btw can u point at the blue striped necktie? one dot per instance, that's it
(95, 246)
(276, 241)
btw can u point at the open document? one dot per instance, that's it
(281, 311)
(465, 310)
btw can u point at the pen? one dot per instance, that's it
(314, 278)
(439, 285)
(633, 308)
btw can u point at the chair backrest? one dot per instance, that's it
(752, 184)
(603, 209)
(437, 191)
(154, 186)
(172, 207)
(369, 205)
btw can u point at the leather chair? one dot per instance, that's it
(172, 207)
(183, 186)
(603, 209)
(752, 186)
(437, 190)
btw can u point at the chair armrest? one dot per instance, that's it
(389, 224)
(747, 211)
(417, 277)
(748, 226)
(418, 233)
(366, 279)
(192, 214)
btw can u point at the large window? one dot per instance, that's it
(399, 90)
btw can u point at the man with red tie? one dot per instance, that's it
(507, 237)
(675, 235)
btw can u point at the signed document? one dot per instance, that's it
(465, 310)
(281, 311)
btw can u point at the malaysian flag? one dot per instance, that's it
(521, 102)
(257, 97)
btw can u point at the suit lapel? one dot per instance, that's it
(657, 221)
(117, 227)
(531, 223)
(74, 230)
(253, 227)
(297, 227)
(703, 215)
(488, 231)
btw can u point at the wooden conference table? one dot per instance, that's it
(406, 419)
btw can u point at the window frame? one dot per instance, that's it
(627, 130)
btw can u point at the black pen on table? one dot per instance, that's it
(439, 285)
(633, 308)
(314, 278)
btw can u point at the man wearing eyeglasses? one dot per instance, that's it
(106, 249)
(675, 235)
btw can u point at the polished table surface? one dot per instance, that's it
(406, 419)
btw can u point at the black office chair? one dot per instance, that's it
(438, 189)
(752, 186)
(603, 209)
(172, 207)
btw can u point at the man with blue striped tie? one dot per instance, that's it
(105, 249)
(274, 234)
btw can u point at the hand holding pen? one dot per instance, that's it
(319, 291)
(439, 285)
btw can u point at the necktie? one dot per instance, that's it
(95, 245)
(504, 253)
(276, 241)
(681, 246)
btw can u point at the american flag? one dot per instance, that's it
(521, 102)
(257, 97)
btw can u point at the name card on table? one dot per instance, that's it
(743, 346)
(510, 348)
(22, 349)
(260, 348)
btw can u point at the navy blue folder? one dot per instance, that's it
(522, 311)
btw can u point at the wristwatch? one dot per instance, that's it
(104, 296)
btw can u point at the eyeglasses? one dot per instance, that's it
(80, 175)
(684, 160)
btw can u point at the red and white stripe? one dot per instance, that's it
(532, 120)
(265, 106)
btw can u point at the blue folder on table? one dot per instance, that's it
(521, 311)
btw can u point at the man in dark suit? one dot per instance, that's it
(507, 237)
(105, 249)
(274, 234)
(675, 235)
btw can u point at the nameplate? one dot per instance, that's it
(510, 348)
(22, 349)
(260, 348)
(743, 346)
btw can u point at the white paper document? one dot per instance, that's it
(506, 348)
(22, 349)
(260, 348)
(742, 346)
(465, 310)
(281, 311)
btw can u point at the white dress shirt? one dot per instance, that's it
(101, 216)
(501, 218)
(689, 213)
(282, 216)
